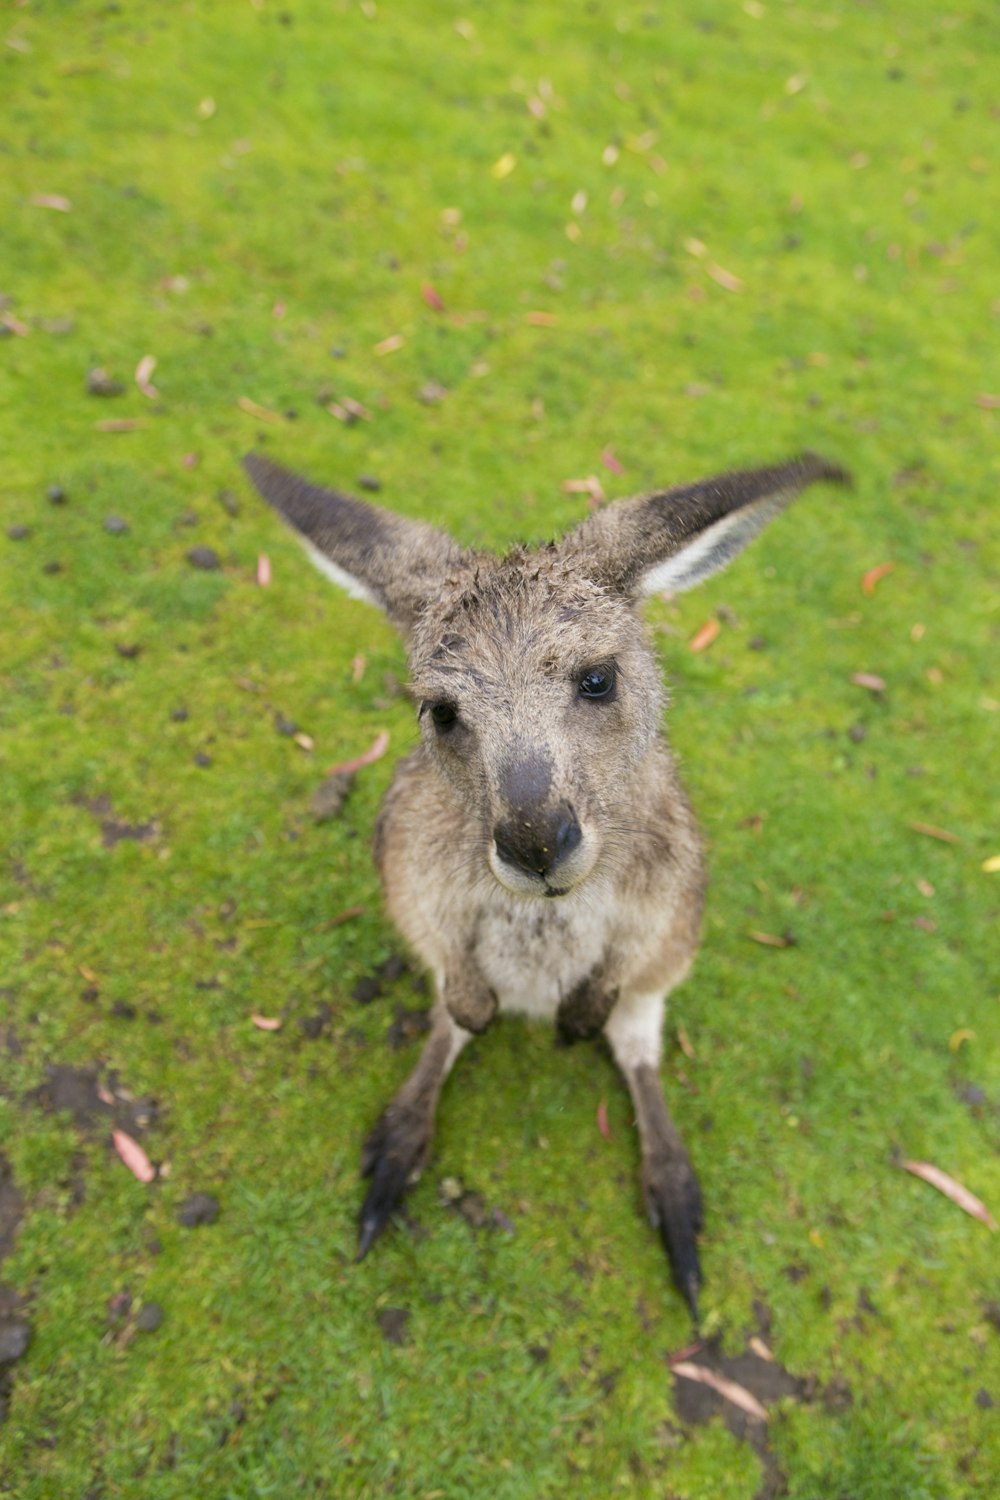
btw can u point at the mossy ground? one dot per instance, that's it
(250, 188)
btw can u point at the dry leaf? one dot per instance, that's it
(992, 865)
(703, 638)
(770, 940)
(951, 1189)
(931, 831)
(590, 486)
(266, 1023)
(963, 1034)
(357, 668)
(431, 297)
(342, 916)
(375, 751)
(14, 325)
(254, 409)
(133, 1156)
(143, 373)
(263, 570)
(725, 278)
(304, 741)
(760, 1349)
(684, 1042)
(120, 424)
(738, 1395)
(602, 1120)
(541, 319)
(504, 166)
(988, 402)
(868, 680)
(349, 411)
(873, 575)
(52, 200)
(390, 345)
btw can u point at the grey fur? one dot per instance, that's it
(537, 850)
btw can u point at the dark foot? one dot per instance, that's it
(673, 1200)
(392, 1156)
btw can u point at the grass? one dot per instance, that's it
(257, 196)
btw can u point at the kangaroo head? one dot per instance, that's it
(538, 694)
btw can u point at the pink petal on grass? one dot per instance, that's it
(263, 570)
(602, 1120)
(432, 298)
(952, 1189)
(52, 200)
(133, 1156)
(727, 1389)
(869, 680)
(266, 1023)
(612, 462)
(872, 577)
(375, 751)
(144, 376)
(703, 638)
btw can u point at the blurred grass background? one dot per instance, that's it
(664, 240)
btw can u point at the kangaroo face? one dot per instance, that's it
(537, 696)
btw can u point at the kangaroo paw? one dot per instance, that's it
(392, 1156)
(673, 1200)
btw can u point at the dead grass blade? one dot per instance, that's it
(738, 1395)
(952, 1189)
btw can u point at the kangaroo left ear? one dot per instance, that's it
(675, 539)
(388, 560)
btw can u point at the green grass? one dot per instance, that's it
(251, 188)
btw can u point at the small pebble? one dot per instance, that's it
(199, 1208)
(369, 482)
(15, 1336)
(127, 649)
(229, 502)
(201, 759)
(285, 726)
(52, 567)
(18, 533)
(115, 525)
(179, 714)
(100, 383)
(203, 557)
(366, 990)
(149, 1317)
(56, 495)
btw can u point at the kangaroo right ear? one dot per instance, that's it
(376, 555)
(674, 539)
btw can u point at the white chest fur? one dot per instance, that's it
(532, 954)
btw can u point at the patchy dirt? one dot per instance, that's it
(114, 830)
(765, 1379)
(15, 1330)
(392, 1322)
(92, 1100)
(406, 1026)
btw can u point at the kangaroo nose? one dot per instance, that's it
(538, 847)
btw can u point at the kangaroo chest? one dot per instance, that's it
(533, 955)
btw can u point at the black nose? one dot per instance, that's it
(539, 845)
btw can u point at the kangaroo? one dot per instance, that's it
(536, 849)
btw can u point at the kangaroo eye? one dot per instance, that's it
(444, 714)
(597, 682)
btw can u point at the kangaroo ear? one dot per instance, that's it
(675, 539)
(385, 559)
